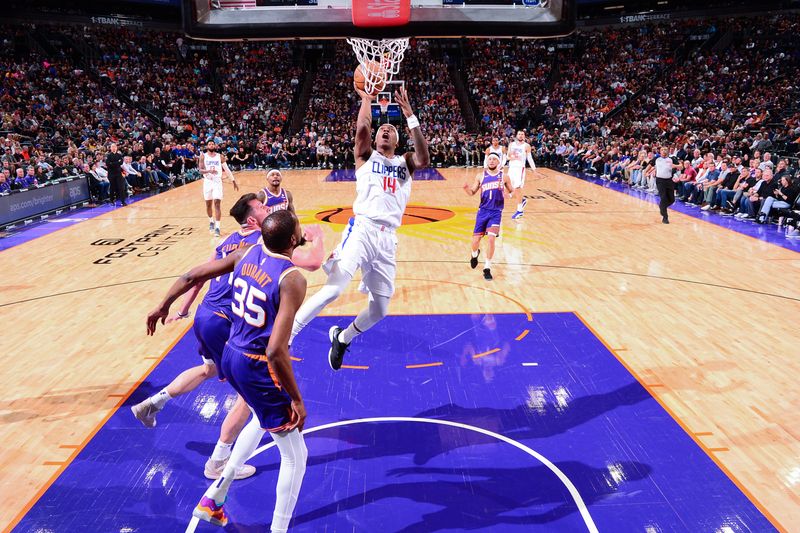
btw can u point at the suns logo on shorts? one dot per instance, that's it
(414, 214)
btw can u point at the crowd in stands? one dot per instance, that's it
(160, 96)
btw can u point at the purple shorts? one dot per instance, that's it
(486, 219)
(212, 329)
(251, 376)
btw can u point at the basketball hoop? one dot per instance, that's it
(379, 59)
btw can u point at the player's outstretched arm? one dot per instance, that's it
(199, 274)
(363, 138)
(421, 158)
(189, 299)
(293, 292)
(310, 258)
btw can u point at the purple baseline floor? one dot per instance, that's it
(766, 232)
(632, 464)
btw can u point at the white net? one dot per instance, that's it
(379, 59)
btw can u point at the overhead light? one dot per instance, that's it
(609, 8)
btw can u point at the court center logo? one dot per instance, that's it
(414, 214)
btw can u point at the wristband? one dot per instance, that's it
(413, 122)
(183, 315)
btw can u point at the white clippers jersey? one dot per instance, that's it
(213, 162)
(383, 187)
(517, 154)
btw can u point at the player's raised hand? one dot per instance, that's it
(363, 94)
(153, 318)
(401, 97)
(298, 415)
(312, 232)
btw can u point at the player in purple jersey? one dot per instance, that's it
(273, 195)
(211, 326)
(267, 291)
(491, 183)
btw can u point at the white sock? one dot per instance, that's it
(216, 224)
(294, 456)
(349, 333)
(475, 253)
(377, 308)
(160, 399)
(520, 207)
(221, 451)
(487, 264)
(245, 445)
(211, 220)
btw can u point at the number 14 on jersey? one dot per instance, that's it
(389, 184)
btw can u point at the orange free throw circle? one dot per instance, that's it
(414, 214)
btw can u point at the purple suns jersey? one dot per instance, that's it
(255, 297)
(275, 202)
(492, 191)
(218, 297)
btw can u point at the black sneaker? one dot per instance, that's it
(336, 353)
(487, 274)
(664, 220)
(473, 262)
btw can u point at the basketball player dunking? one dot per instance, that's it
(518, 152)
(491, 183)
(383, 186)
(267, 290)
(273, 195)
(212, 165)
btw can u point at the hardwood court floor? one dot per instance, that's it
(705, 318)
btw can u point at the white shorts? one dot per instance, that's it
(212, 189)
(371, 247)
(517, 176)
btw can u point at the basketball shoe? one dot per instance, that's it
(517, 215)
(487, 274)
(210, 226)
(208, 510)
(145, 412)
(214, 468)
(216, 232)
(473, 261)
(336, 353)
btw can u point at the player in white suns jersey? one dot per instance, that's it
(383, 187)
(518, 153)
(212, 165)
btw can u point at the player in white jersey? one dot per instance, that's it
(212, 164)
(383, 187)
(494, 148)
(518, 152)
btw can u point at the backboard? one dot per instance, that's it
(315, 19)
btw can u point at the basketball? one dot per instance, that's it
(379, 75)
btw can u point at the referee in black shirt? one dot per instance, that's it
(119, 189)
(666, 187)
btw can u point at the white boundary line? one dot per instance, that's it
(587, 518)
